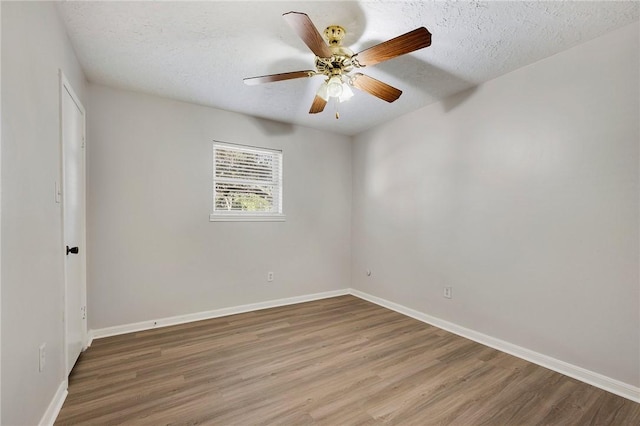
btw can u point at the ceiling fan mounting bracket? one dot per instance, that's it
(334, 34)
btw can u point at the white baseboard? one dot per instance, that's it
(49, 417)
(216, 313)
(603, 382)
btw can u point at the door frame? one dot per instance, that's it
(65, 86)
(0, 226)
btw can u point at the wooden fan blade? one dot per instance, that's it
(375, 87)
(302, 25)
(317, 105)
(252, 81)
(406, 43)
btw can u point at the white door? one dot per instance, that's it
(73, 211)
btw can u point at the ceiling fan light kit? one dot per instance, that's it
(336, 62)
(335, 87)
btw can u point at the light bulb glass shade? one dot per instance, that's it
(347, 93)
(322, 91)
(334, 87)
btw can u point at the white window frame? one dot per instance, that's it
(246, 216)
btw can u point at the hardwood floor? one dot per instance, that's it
(338, 361)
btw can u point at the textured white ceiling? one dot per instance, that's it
(199, 52)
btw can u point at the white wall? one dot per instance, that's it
(0, 223)
(523, 196)
(153, 252)
(34, 47)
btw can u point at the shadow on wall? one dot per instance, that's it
(272, 127)
(451, 102)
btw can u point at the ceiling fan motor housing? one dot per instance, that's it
(340, 61)
(335, 65)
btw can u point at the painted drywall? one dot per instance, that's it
(34, 48)
(0, 223)
(522, 195)
(153, 253)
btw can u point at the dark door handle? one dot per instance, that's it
(72, 250)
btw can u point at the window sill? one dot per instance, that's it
(246, 218)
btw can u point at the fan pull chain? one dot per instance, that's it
(337, 113)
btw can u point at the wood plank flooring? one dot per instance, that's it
(338, 361)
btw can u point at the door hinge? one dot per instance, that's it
(84, 312)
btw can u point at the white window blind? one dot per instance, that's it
(247, 183)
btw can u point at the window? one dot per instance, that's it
(247, 183)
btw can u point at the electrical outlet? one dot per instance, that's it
(269, 276)
(448, 292)
(42, 357)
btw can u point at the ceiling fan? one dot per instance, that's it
(336, 62)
